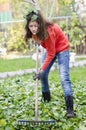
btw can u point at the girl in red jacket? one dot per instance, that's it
(51, 37)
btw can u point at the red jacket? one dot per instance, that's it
(56, 42)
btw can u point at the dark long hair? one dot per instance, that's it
(43, 24)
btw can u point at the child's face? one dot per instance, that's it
(33, 26)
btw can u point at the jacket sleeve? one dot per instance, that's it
(50, 48)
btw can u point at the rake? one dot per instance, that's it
(36, 121)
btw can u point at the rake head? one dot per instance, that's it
(25, 122)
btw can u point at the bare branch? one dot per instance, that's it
(52, 8)
(28, 1)
(34, 3)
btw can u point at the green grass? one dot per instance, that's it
(7, 65)
(80, 58)
(16, 64)
(76, 73)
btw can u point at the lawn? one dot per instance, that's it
(7, 65)
(17, 97)
(16, 64)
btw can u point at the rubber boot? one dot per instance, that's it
(69, 105)
(46, 96)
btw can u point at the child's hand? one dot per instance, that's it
(37, 75)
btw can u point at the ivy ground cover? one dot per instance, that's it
(17, 101)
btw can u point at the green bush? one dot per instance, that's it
(16, 38)
(74, 32)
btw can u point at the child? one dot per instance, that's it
(51, 37)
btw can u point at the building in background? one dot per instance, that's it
(5, 12)
(5, 16)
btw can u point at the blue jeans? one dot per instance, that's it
(63, 65)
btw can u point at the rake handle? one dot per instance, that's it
(36, 89)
